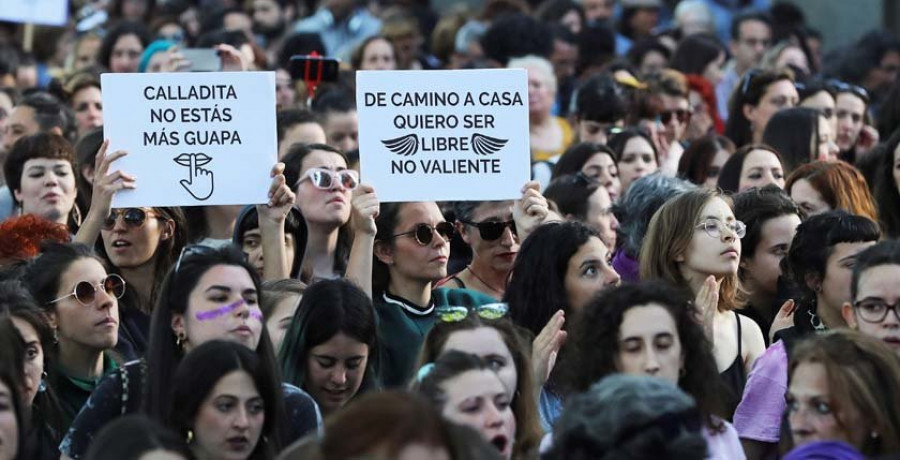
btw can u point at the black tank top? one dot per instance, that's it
(735, 377)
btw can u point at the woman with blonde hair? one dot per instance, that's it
(694, 242)
(825, 186)
(843, 387)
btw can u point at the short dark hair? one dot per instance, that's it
(601, 99)
(755, 207)
(813, 243)
(516, 35)
(287, 119)
(739, 19)
(50, 112)
(620, 140)
(43, 145)
(645, 46)
(335, 99)
(885, 252)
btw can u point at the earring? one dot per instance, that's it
(55, 336)
(179, 340)
(190, 436)
(42, 387)
(874, 435)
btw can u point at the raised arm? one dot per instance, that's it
(272, 215)
(365, 210)
(105, 186)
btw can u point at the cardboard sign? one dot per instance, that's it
(192, 138)
(46, 12)
(444, 135)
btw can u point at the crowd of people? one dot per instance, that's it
(704, 263)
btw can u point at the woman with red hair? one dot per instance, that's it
(822, 186)
(705, 118)
(21, 237)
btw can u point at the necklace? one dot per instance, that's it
(485, 283)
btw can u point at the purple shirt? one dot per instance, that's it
(758, 416)
(627, 268)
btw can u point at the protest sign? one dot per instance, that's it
(46, 12)
(205, 138)
(444, 135)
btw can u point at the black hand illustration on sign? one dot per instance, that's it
(404, 145)
(487, 145)
(200, 180)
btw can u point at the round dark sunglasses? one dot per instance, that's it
(492, 230)
(133, 218)
(85, 292)
(424, 233)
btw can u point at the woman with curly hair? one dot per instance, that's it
(649, 329)
(21, 237)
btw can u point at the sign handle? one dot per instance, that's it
(28, 39)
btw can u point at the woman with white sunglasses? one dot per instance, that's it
(320, 177)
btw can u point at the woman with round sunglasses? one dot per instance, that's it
(323, 184)
(80, 299)
(411, 248)
(489, 230)
(694, 242)
(486, 332)
(330, 348)
(210, 294)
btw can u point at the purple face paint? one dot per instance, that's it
(256, 314)
(221, 311)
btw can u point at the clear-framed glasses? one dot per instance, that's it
(86, 293)
(875, 310)
(325, 179)
(714, 228)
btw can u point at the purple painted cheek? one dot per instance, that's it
(256, 314)
(221, 311)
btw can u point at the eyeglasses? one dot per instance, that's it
(714, 228)
(133, 218)
(875, 310)
(682, 115)
(455, 314)
(324, 179)
(85, 292)
(424, 233)
(492, 230)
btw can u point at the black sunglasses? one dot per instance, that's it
(681, 114)
(492, 230)
(85, 292)
(840, 87)
(133, 218)
(424, 233)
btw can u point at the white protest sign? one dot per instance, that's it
(46, 12)
(441, 135)
(203, 138)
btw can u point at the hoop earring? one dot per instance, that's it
(76, 215)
